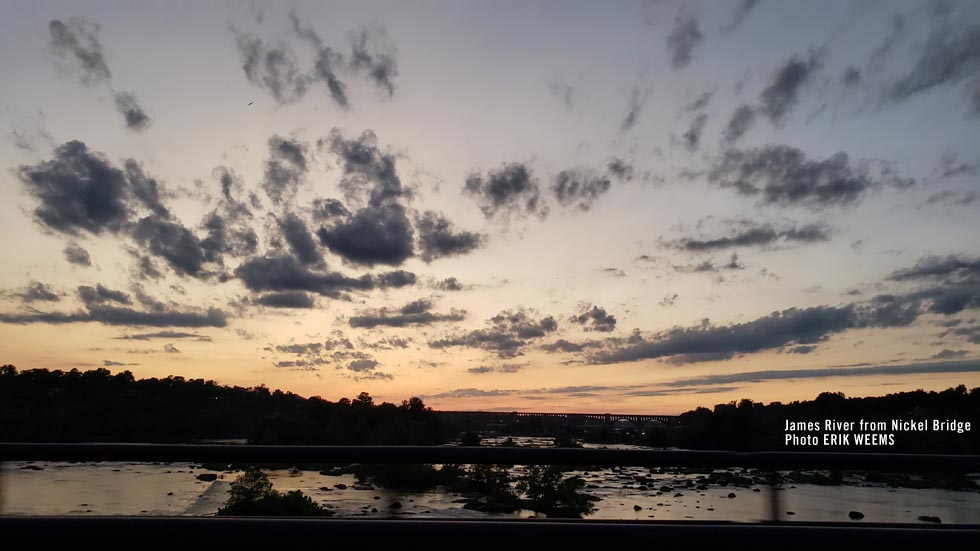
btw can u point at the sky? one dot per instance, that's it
(620, 206)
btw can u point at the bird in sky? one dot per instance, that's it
(251, 102)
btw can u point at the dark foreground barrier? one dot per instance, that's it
(137, 531)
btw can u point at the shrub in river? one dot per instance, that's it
(252, 495)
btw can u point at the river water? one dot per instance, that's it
(113, 488)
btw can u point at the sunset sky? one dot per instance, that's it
(542, 206)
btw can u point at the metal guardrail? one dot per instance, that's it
(280, 531)
(480, 454)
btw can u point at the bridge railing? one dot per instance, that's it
(255, 530)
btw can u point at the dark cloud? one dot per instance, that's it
(897, 31)
(173, 242)
(362, 365)
(326, 64)
(396, 278)
(742, 119)
(507, 190)
(940, 267)
(418, 312)
(77, 42)
(850, 77)
(615, 272)
(286, 299)
(110, 363)
(638, 100)
(595, 319)
(741, 11)
(368, 173)
(779, 329)
(700, 102)
(951, 198)
(271, 67)
(373, 55)
(439, 238)
(100, 295)
(145, 189)
(77, 255)
(950, 284)
(620, 169)
(692, 137)
(562, 345)
(949, 57)
(38, 292)
(683, 39)
(579, 188)
(166, 335)
(825, 372)
(373, 235)
(506, 334)
(782, 93)
(110, 315)
(947, 354)
(135, 116)
(285, 273)
(750, 234)
(449, 284)
(300, 240)
(329, 209)
(783, 175)
(802, 349)
(77, 190)
(951, 167)
(711, 266)
(285, 169)
(228, 234)
(502, 368)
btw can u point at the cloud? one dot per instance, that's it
(271, 68)
(472, 393)
(955, 266)
(951, 167)
(742, 120)
(692, 137)
(77, 255)
(78, 42)
(850, 77)
(135, 116)
(710, 266)
(950, 198)
(620, 169)
(826, 372)
(670, 299)
(165, 335)
(950, 284)
(373, 55)
(396, 278)
(110, 315)
(595, 319)
(562, 345)
(285, 273)
(99, 295)
(415, 313)
(300, 240)
(286, 299)
(110, 363)
(505, 191)
(898, 30)
(329, 209)
(362, 365)
(78, 191)
(750, 234)
(683, 39)
(783, 175)
(38, 292)
(169, 348)
(782, 93)
(946, 354)
(449, 284)
(502, 368)
(439, 238)
(326, 63)
(564, 92)
(173, 242)
(579, 188)
(373, 235)
(369, 174)
(145, 189)
(949, 57)
(638, 100)
(506, 334)
(285, 170)
(741, 11)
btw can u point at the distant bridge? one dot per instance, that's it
(491, 418)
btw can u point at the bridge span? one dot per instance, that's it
(578, 419)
